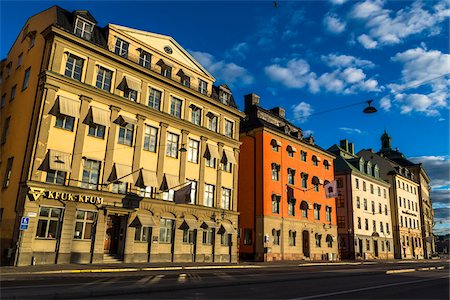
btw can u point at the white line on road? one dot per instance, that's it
(400, 271)
(182, 278)
(367, 288)
(144, 280)
(157, 278)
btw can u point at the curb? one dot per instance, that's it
(414, 270)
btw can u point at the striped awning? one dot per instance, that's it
(189, 223)
(227, 228)
(228, 157)
(143, 219)
(121, 173)
(145, 178)
(129, 83)
(100, 116)
(169, 182)
(208, 224)
(59, 161)
(68, 107)
(211, 152)
(124, 120)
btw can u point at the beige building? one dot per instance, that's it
(109, 126)
(363, 207)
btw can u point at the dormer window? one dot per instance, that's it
(144, 59)
(121, 48)
(184, 78)
(224, 97)
(83, 28)
(202, 86)
(369, 168)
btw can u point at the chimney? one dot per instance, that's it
(250, 100)
(279, 111)
(344, 144)
(351, 148)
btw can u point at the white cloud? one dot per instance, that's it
(297, 74)
(385, 104)
(238, 51)
(386, 27)
(424, 68)
(302, 111)
(336, 60)
(337, 2)
(351, 130)
(333, 24)
(367, 41)
(437, 168)
(228, 72)
(308, 132)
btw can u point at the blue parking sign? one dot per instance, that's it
(24, 223)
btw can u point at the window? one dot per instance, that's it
(358, 202)
(380, 209)
(121, 48)
(276, 236)
(175, 107)
(371, 188)
(146, 191)
(226, 198)
(130, 94)
(341, 222)
(3, 100)
(104, 77)
(126, 134)
(209, 195)
(381, 227)
(365, 204)
(303, 155)
(374, 226)
(202, 86)
(154, 99)
(315, 160)
(366, 224)
(356, 183)
(401, 221)
(165, 230)
(385, 210)
(96, 130)
(83, 29)
(193, 151)
(32, 40)
(326, 164)
(186, 80)
(379, 191)
(84, 225)
(400, 201)
(196, 115)
(384, 194)
(340, 200)
(373, 207)
(328, 212)
(292, 236)
(248, 236)
(91, 174)
(382, 246)
(276, 204)
(6, 129)
(188, 236)
(49, 222)
(55, 177)
(289, 151)
(229, 128)
(274, 145)
(224, 97)
(208, 236)
(304, 209)
(275, 172)
(318, 240)
(74, 67)
(169, 195)
(26, 78)
(329, 241)
(8, 171)
(210, 162)
(304, 180)
(317, 211)
(340, 183)
(359, 223)
(8, 69)
(225, 239)
(144, 59)
(172, 145)
(364, 186)
(166, 71)
(291, 176)
(367, 245)
(119, 187)
(388, 246)
(142, 234)
(65, 122)
(13, 93)
(212, 124)
(291, 207)
(227, 167)
(193, 195)
(19, 60)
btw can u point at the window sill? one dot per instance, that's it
(70, 130)
(81, 240)
(96, 137)
(141, 242)
(45, 239)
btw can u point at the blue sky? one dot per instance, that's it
(309, 57)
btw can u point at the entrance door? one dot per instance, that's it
(360, 244)
(375, 247)
(305, 239)
(112, 234)
(413, 254)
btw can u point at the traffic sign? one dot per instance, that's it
(24, 223)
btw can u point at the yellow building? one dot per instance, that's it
(108, 126)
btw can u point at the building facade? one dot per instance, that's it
(284, 212)
(363, 207)
(404, 199)
(111, 125)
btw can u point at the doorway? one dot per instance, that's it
(305, 239)
(111, 244)
(375, 248)
(360, 244)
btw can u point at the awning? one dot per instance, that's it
(210, 115)
(227, 228)
(304, 174)
(183, 73)
(169, 182)
(275, 142)
(120, 171)
(304, 205)
(100, 116)
(69, 107)
(212, 152)
(228, 157)
(316, 180)
(59, 161)
(189, 224)
(208, 224)
(144, 219)
(123, 120)
(291, 148)
(161, 63)
(146, 178)
(129, 83)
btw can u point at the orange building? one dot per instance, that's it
(284, 211)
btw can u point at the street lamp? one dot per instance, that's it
(369, 109)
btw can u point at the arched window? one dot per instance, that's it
(329, 240)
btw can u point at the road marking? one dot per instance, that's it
(440, 268)
(182, 278)
(157, 279)
(328, 264)
(222, 275)
(144, 280)
(400, 271)
(367, 288)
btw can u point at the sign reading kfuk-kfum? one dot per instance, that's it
(36, 193)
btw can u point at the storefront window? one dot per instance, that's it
(142, 234)
(84, 224)
(49, 222)
(165, 230)
(207, 236)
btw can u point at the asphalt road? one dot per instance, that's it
(370, 281)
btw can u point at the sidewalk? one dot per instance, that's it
(135, 267)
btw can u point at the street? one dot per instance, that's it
(412, 280)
